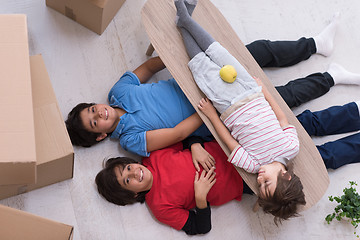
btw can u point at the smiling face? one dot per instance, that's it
(267, 178)
(100, 118)
(134, 177)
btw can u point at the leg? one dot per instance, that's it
(305, 89)
(281, 53)
(333, 120)
(341, 152)
(287, 53)
(191, 45)
(190, 5)
(315, 85)
(203, 38)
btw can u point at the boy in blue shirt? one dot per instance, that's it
(144, 117)
(147, 117)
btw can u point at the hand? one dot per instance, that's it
(207, 108)
(201, 156)
(202, 186)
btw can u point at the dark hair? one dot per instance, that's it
(79, 136)
(109, 187)
(286, 198)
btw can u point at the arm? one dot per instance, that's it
(160, 138)
(198, 152)
(239, 157)
(280, 115)
(146, 70)
(200, 221)
(208, 109)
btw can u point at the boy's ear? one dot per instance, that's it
(101, 137)
(286, 175)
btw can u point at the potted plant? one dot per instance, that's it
(348, 206)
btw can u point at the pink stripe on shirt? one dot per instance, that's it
(256, 128)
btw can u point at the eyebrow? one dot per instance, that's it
(120, 171)
(91, 125)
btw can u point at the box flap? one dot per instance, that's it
(20, 225)
(17, 143)
(52, 140)
(100, 3)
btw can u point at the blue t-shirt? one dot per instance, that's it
(149, 107)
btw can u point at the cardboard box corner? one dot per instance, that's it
(18, 225)
(94, 15)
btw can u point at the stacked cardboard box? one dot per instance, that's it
(17, 142)
(35, 143)
(35, 148)
(93, 14)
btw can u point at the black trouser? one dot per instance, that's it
(287, 53)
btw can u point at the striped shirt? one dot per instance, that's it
(260, 136)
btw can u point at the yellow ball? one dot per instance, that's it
(228, 73)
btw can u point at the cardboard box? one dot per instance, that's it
(55, 154)
(20, 225)
(93, 14)
(17, 142)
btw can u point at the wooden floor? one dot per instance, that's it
(83, 66)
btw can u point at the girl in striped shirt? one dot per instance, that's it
(260, 139)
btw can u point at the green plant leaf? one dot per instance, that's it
(348, 206)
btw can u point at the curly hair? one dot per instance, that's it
(109, 187)
(79, 136)
(283, 204)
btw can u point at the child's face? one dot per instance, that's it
(134, 177)
(267, 178)
(99, 118)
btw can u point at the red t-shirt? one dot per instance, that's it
(172, 193)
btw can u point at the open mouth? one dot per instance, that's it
(106, 114)
(141, 175)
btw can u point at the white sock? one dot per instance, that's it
(342, 76)
(324, 42)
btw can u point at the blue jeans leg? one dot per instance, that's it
(341, 152)
(333, 120)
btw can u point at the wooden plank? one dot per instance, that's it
(158, 18)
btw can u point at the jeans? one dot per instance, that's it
(334, 120)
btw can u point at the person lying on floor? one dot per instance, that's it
(138, 110)
(252, 125)
(314, 83)
(180, 196)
